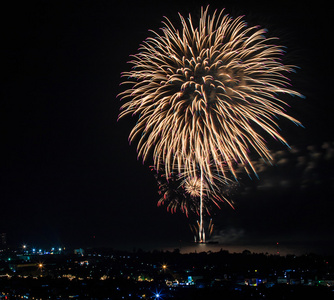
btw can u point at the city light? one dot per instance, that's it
(156, 283)
(157, 294)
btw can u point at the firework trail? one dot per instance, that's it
(201, 92)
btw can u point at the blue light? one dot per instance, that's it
(158, 295)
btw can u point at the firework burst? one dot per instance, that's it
(200, 93)
(192, 186)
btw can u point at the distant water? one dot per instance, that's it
(324, 248)
(282, 249)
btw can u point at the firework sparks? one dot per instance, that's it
(197, 228)
(201, 91)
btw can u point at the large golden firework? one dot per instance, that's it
(201, 92)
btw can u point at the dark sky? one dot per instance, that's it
(67, 171)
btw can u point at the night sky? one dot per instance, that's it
(68, 175)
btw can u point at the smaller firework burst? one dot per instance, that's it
(192, 186)
(180, 191)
